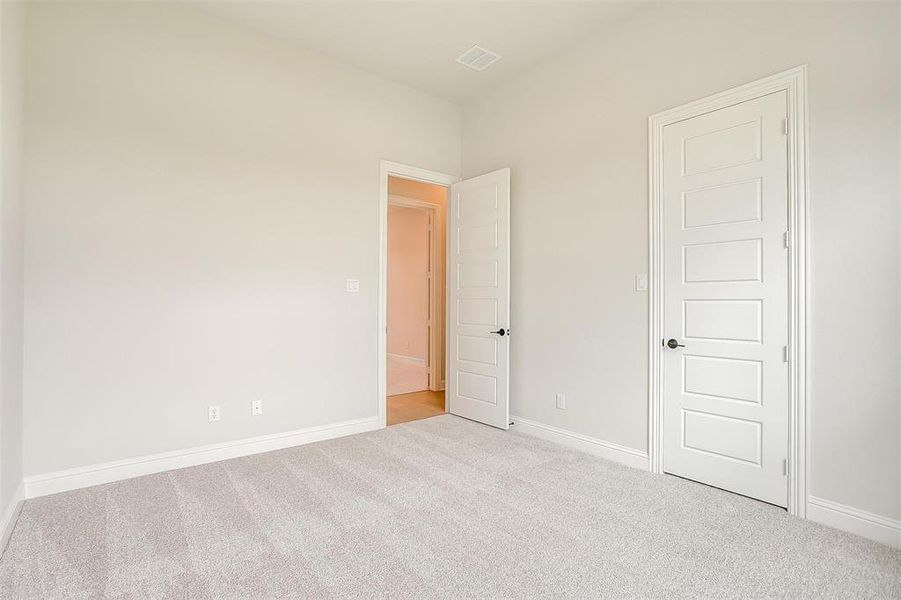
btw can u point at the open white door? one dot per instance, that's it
(478, 303)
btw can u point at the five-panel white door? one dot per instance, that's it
(478, 303)
(725, 187)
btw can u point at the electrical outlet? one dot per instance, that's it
(352, 286)
(256, 407)
(561, 401)
(214, 414)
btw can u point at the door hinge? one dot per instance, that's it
(785, 126)
(785, 354)
(785, 466)
(786, 240)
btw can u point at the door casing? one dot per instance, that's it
(794, 83)
(386, 170)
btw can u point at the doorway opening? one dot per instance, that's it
(416, 259)
(473, 289)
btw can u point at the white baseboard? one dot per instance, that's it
(853, 520)
(875, 527)
(410, 359)
(608, 450)
(9, 517)
(81, 477)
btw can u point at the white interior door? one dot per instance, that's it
(725, 187)
(478, 358)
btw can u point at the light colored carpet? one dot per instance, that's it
(439, 508)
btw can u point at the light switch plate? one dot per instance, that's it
(561, 401)
(353, 286)
(641, 283)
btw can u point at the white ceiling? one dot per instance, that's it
(416, 42)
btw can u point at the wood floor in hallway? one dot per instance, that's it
(414, 406)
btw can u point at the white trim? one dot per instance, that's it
(398, 200)
(794, 83)
(621, 454)
(81, 477)
(386, 169)
(409, 359)
(853, 520)
(10, 517)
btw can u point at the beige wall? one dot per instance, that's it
(574, 131)
(11, 248)
(408, 284)
(197, 195)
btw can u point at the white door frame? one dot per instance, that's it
(436, 284)
(387, 169)
(794, 83)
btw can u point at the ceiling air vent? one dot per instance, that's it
(478, 58)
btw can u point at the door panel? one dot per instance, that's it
(725, 188)
(722, 204)
(721, 261)
(722, 378)
(478, 378)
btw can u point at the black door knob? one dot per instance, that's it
(501, 332)
(672, 343)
